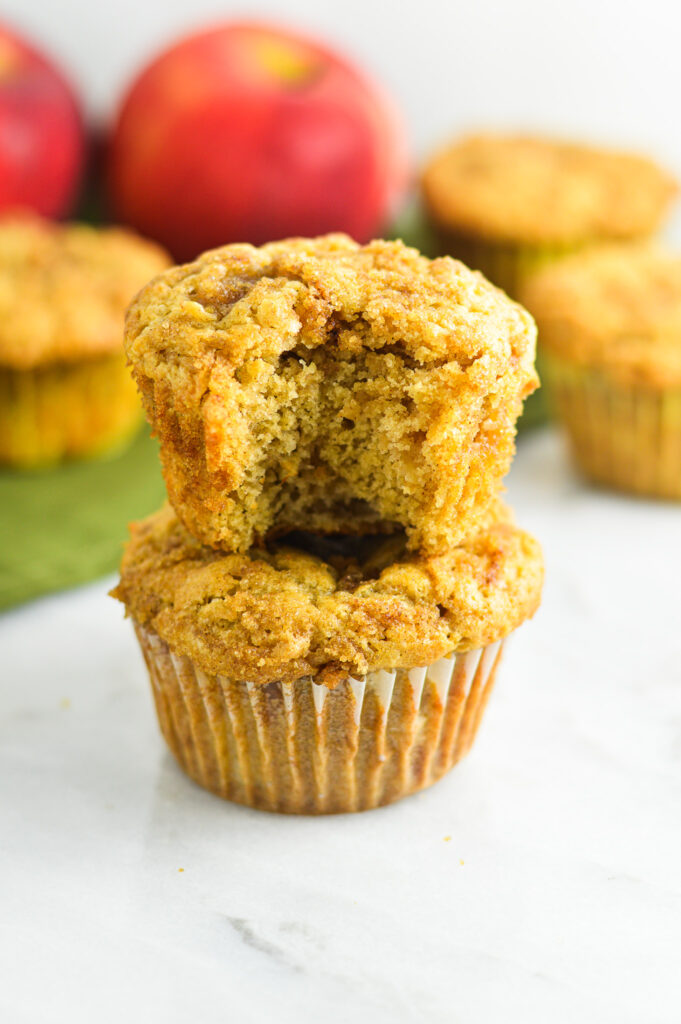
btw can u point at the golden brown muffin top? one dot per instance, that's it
(283, 613)
(241, 302)
(64, 289)
(318, 381)
(617, 308)
(522, 189)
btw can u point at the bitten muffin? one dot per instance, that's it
(610, 322)
(316, 383)
(507, 204)
(335, 681)
(65, 389)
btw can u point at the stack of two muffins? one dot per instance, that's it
(322, 609)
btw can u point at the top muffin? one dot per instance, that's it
(526, 190)
(64, 289)
(616, 309)
(319, 384)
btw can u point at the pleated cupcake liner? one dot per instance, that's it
(624, 436)
(304, 748)
(67, 410)
(505, 264)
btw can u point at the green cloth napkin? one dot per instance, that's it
(65, 526)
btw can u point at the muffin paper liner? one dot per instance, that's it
(66, 410)
(624, 436)
(303, 748)
(504, 264)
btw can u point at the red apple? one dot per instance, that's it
(41, 131)
(248, 133)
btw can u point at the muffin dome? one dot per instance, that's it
(616, 308)
(529, 190)
(64, 289)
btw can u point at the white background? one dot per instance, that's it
(601, 69)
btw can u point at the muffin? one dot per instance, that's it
(323, 675)
(320, 384)
(610, 323)
(508, 204)
(65, 390)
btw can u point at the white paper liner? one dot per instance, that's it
(304, 748)
(623, 436)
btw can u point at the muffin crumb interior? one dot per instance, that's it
(314, 381)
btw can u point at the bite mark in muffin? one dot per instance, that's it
(355, 389)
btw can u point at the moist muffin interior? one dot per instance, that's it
(339, 441)
(317, 382)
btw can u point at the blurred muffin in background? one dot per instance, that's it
(65, 389)
(610, 324)
(506, 204)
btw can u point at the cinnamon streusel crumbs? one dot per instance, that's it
(284, 613)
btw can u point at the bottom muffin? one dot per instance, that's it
(304, 748)
(323, 682)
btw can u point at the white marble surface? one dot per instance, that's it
(540, 881)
